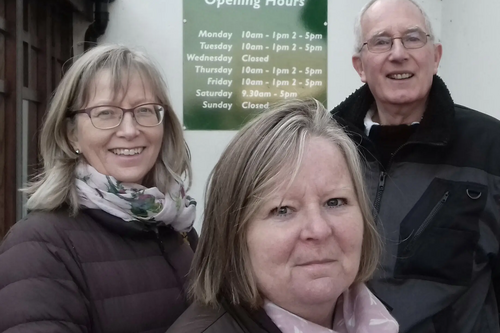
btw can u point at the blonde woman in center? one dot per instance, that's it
(287, 240)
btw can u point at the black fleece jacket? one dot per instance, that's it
(437, 207)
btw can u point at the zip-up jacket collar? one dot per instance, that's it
(436, 125)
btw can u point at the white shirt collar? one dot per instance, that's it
(369, 123)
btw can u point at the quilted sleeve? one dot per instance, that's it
(39, 291)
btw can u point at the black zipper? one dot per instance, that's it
(159, 240)
(428, 219)
(381, 181)
(380, 190)
(383, 174)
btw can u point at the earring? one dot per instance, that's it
(78, 152)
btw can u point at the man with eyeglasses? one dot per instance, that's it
(433, 175)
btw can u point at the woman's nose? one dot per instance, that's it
(317, 226)
(128, 127)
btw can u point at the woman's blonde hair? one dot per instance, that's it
(265, 153)
(55, 185)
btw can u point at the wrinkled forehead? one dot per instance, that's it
(392, 17)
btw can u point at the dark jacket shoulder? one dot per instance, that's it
(198, 318)
(224, 319)
(470, 119)
(44, 227)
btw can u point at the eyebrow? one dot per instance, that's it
(409, 30)
(112, 103)
(414, 29)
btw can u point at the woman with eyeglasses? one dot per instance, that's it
(108, 241)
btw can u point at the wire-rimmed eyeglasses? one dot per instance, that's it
(412, 40)
(110, 116)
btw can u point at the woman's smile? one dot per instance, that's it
(127, 151)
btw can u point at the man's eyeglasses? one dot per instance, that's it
(412, 40)
(109, 116)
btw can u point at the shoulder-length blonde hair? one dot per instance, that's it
(55, 185)
(266, 152)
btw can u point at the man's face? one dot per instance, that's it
(400, 76)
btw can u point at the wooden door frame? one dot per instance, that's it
(33, 60)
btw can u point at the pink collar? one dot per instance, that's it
(357, 310)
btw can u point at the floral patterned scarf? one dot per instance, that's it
(133, 202)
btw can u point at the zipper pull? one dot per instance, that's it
(378, 195)
(445, 197)
(381, 182)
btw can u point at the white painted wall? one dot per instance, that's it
(470, 64)
(467, 29)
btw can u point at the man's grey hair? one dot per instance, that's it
(358, 32)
